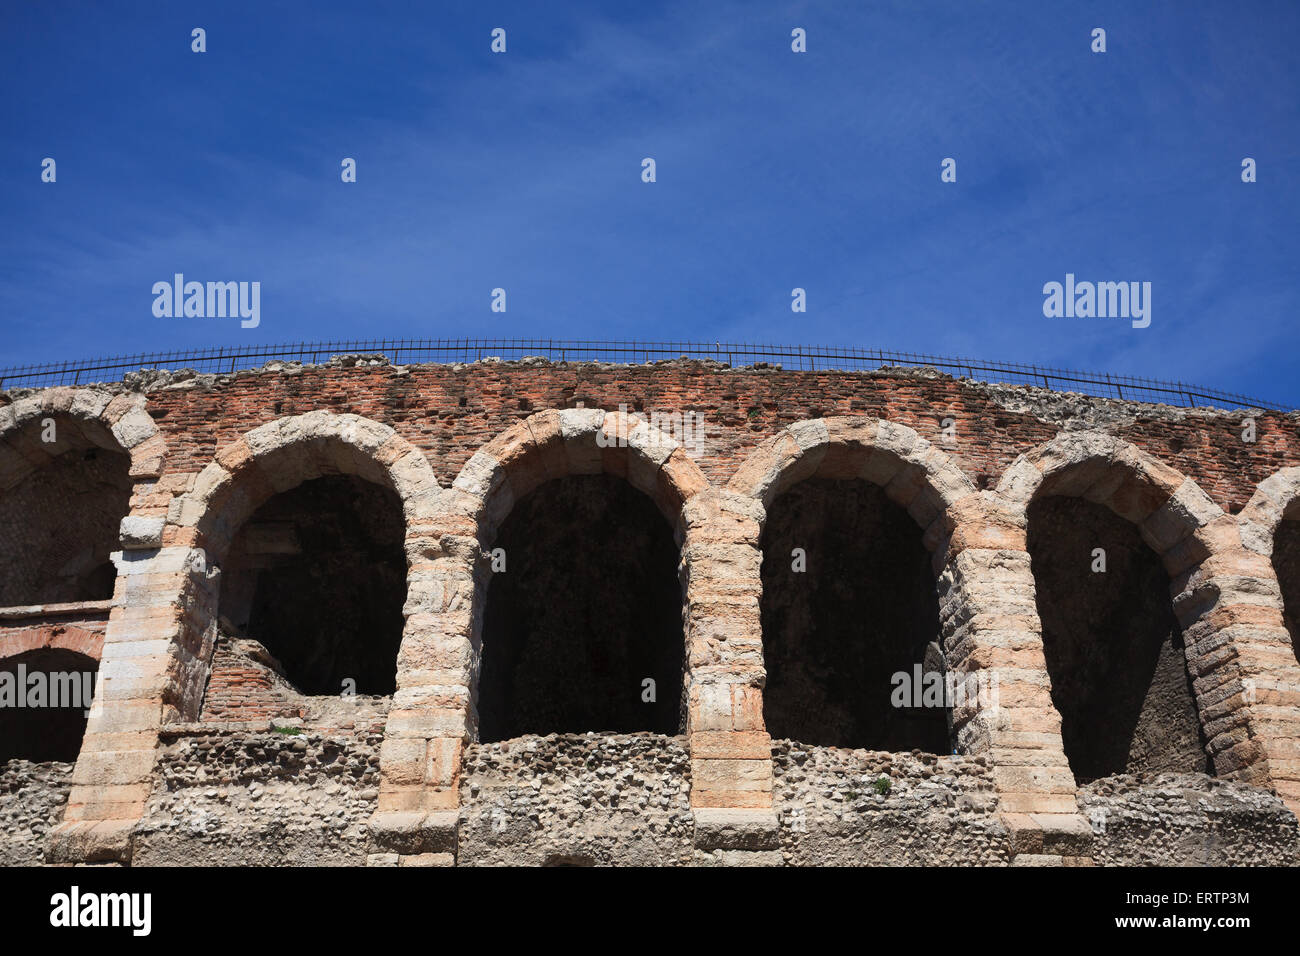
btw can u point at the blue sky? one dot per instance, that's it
(775, 170)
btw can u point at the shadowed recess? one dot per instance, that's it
(59, 524)
(45, 732)
(317, 575)
(835, 634)
(588, 609)
(1113, 647)
(1286, 563)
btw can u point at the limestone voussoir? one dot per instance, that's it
(210, 480)
(133, 428)
(1188, 509)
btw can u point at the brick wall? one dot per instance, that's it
(82, 635)
(451, 411)
(242, 689)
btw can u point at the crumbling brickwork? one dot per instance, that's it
(222, 472)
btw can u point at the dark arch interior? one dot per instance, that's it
(44, 733)
(1286, 562)
(58, 525)
(589, 606)
(1113, 646)
(835, 634)
(317, 575)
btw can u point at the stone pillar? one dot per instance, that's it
(156, 647)
(731, 752)
(433, 714)
(993, 642)
(1270, 677)
(157, 650)
(1239, 653)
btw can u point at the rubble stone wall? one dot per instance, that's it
(867, 808)
(268, 798)
(1187, 820)
(32, 799)
(577, 800)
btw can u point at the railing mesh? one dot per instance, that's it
(803, 357)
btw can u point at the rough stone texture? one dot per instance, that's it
(1169, 819)
(32, 798)
(261, 799)
(462, 446)
(565, 800)
(867, 808)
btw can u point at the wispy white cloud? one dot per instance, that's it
(775, 170)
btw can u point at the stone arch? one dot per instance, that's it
(1276, 499)
(56, 732)
(277, 457)
(912, 473)
(574, 441)
(553, 444)
(84, 422)
(109, 783)
(281, 454)
(1219, 587)
(115, 422)
(165, 619)
(63, 637)
(434, 713)
(1165, 506)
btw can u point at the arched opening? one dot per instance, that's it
(317, 576)
(1113, 647)
(44, 698)
(64, 493)
(850, 618)
(1286, 564)
(582, 629)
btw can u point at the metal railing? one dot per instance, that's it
(802, 357)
